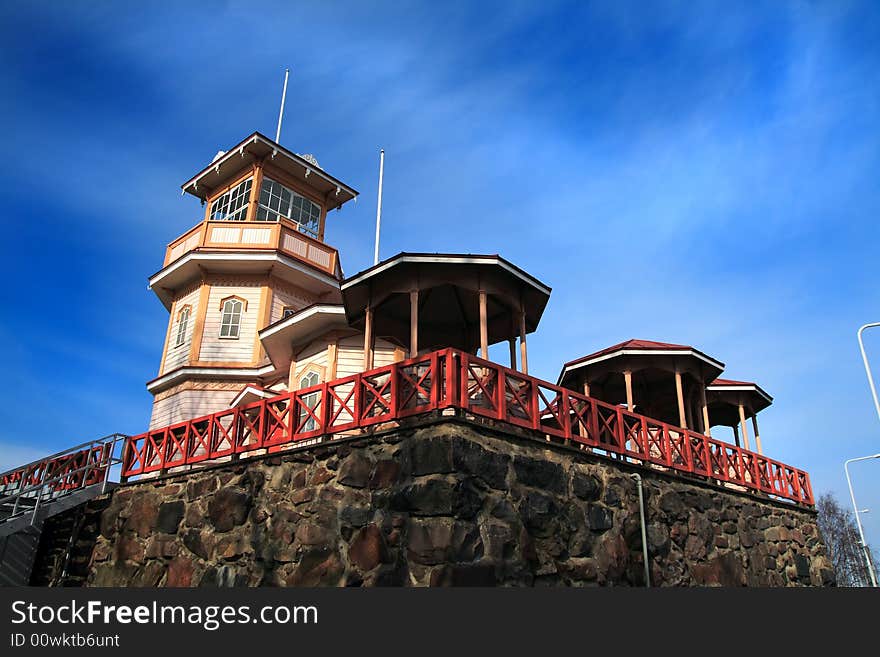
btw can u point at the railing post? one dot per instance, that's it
(325, 409)
(436, 380)
(163, 456)
(564, 415)
(620, 432)
(501, 387)
(535, 403)
(453, 374)
(594, 421)
(37, 505)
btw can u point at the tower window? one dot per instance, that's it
(311, 400)
(276, 201)
(230, 319)
(232, 206)
(182, 321)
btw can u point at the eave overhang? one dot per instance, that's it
(195, 264)
(281, 338)
(259, 147)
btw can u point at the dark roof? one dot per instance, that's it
(634, 344)
(731, 382)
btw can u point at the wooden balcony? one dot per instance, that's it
(282, 236)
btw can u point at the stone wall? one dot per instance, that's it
(448, 504)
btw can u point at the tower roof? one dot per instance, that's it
(257, 146)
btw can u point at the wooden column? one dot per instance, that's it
(682, 420)
(254, 198)
(511, 342)
(332, 359)
(291, 376)
(368, 339)
(413, 323)
(745, 428)
(707, 430)
(757, 435)
(484, 327)
(523, 350)
(586, 387)
(628, 379)
(688, 414)
(736, 436)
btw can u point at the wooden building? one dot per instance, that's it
(258, 306)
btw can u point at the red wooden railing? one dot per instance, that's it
(453, 379)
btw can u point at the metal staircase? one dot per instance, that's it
(31, 493)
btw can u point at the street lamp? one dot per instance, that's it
(868, 367)
(852, 495)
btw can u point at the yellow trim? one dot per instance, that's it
(188, 307)
(332, 359)
(320, 370)
(199, 327)
(167, 338)
(255, 192)
(244, 302)
(265, 310)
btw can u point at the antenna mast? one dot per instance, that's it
(379, 204)
(281, 111)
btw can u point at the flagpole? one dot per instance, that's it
(281, 111)
(379, 205)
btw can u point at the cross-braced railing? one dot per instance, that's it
(30, 487)
(451, 379)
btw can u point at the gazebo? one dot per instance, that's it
(659, 379)
(424, 301)
(731, 403)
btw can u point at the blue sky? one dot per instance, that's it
(703, 173)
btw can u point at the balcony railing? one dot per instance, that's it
(282, 235)
(450, 379)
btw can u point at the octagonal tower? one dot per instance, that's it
(257, 256)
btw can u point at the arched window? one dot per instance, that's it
(182, 321)
(230, 319)
(311, 400)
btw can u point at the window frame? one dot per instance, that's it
(232, 316)
(241, 201)
(267, 210)
(182, 325)
(311, 399)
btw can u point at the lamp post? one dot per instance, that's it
(852, 495)
(868, 367)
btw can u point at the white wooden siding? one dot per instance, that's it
(233, 350)
(350, 356)
(287, 296)
(178, 355)
(187, 404)
(312, 357)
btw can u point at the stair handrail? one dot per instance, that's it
(106, 463)
(108, 438)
